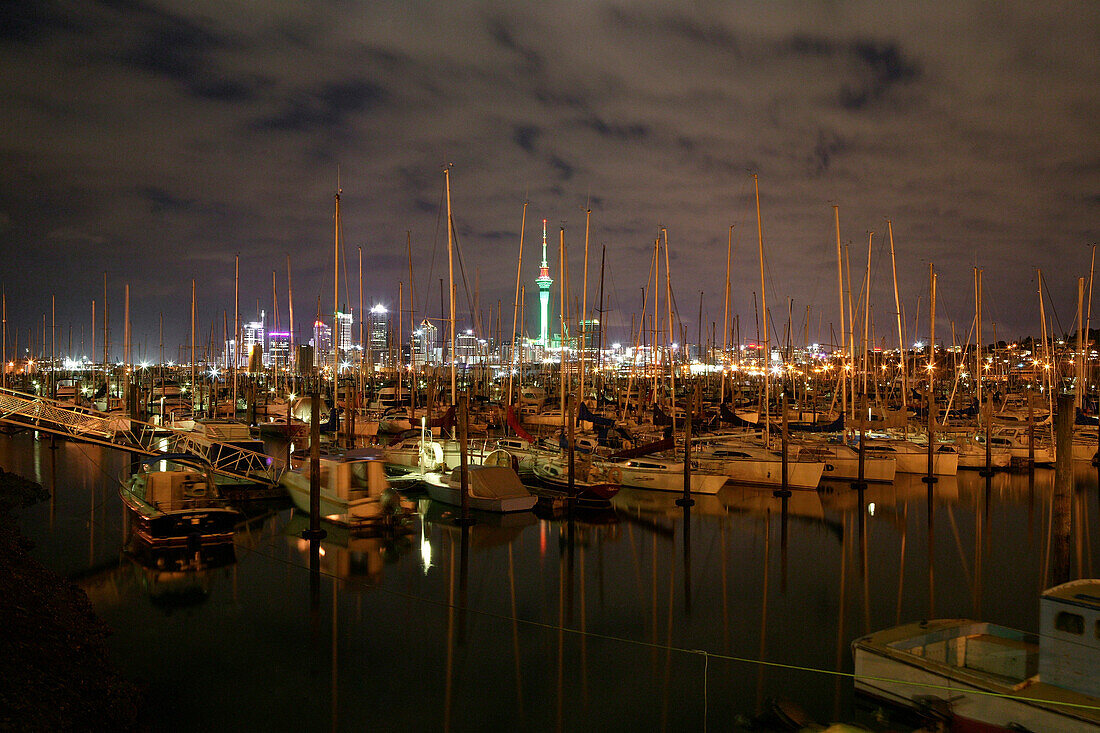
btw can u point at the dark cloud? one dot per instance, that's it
(325, 107)
(615, 131)
(525, 136)
(500, 32)
(880, 68)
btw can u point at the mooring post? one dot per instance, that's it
(1063, 490)
(686, 500)
(464, 482)
(314, 532)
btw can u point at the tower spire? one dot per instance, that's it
(544, 281)
(544, 263)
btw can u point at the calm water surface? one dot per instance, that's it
(597, 625)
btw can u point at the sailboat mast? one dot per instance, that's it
(726, 319)
(290, 301)
(584, 301)
(336, 297)
(193, 382)
(897, 311)
(515, 305)
(978, 334)
(764, 306)
(671, 336)
(451, 275)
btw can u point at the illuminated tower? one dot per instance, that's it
(544, 282)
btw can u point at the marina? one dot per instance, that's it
(602, 367)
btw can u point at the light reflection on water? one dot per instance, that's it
(524, 623)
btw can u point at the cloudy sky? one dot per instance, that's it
(153, 141)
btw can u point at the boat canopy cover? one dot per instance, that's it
(491, 482)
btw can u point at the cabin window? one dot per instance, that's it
(359, 475)
(1071, 623)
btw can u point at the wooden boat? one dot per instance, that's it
(174, 500)
(992, 676)
(491, 489)
(354, 489)
(593, 481)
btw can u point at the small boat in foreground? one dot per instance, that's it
(491, 489)
(174, 500)
(354, 488)
(992, 676)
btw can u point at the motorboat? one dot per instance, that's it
(354, 489)
(490, 489)
(174, 500)
(992, 676)
(649, 472)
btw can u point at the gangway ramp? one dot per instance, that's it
(118, 431)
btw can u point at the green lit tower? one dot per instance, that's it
(544, 282)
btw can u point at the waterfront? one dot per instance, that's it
(589, 626)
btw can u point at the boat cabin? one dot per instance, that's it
(356, 474)
(1069, 636)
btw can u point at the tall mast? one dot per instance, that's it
(515, 302)
(561, 341)
(726, 320)
(362, 364)
(656, 300)
(671, 335)
(236, 329)
(897, 311)
(193, 382)
(451, 275)
(290, 301)
(764, 306)
(978, 334)
(336, 296)
(584, 301)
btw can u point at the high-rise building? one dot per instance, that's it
(344, 322)
(424, 339)
(591, 331)
(321, 343)
(468, 348)
(544, 281)
(278, 349)
(252, 337)
(378, 334)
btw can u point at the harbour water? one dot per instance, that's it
(649, 618)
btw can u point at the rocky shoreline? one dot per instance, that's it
(55, 673)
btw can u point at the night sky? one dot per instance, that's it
(155, 140)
